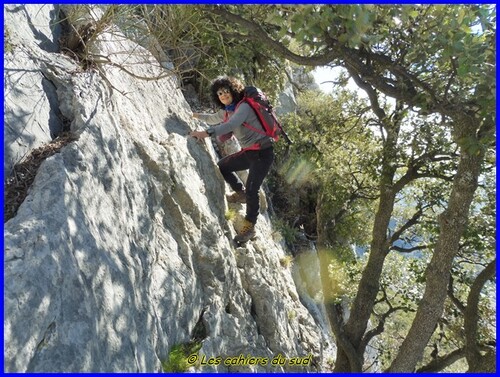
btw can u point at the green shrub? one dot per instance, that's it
(287, 232)
(177, 358)
(230, 214)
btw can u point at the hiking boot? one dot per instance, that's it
(237, 197)
(247, 232)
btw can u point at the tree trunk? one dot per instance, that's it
(368, 286)
(452, 223)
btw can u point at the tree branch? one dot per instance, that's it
(372, 94)
(454, 299)
(412, 173)
(442, 362)
(407, 225)
(355, 60)
(380, 326)
(471, 317)
(411, 249)
(258, 33)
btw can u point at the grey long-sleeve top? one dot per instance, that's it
(243, 114)
(212, 119)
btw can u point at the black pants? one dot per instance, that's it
(258, 164)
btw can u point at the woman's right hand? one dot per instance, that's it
(198, 135)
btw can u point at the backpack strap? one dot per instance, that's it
(264, 130)
(229, 135)
(247, 125)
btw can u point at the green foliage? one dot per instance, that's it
(177, 358)
(193, 44)
(223, 50)
(402, 286)
(288, 233)
(451, 49)
(344, 274)
(341, 158)
(230, 214)
(329, 174)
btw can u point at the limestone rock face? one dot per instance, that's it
(32, 116)
(121, 250)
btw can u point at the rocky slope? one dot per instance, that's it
(121, 249)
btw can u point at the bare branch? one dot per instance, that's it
(372, 94)
(413, 174)
(442, 362)
(410, 249)
(453, 298)
(411, 222)
(381, 323)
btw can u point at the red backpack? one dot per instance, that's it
(264, 110)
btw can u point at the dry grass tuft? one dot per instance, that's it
(18, 184)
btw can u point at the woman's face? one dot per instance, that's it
(225, 96)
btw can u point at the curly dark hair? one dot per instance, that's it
(235, 86)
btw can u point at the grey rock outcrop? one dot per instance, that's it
(30, 98)
(299, 79)
(121, 249)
